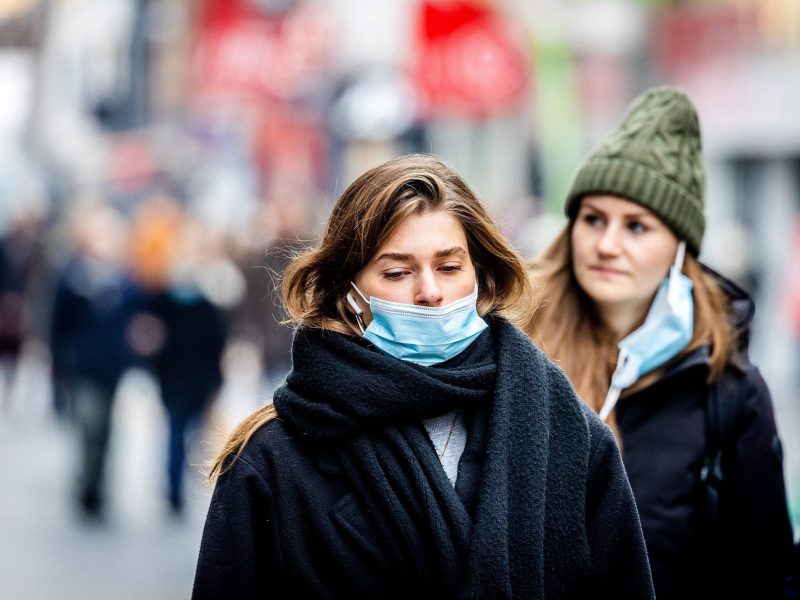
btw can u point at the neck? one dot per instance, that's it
(622, 319)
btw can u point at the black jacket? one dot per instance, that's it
(92, 310)
(283, 521)
(286, 520)
(663, 430)
(188, 365)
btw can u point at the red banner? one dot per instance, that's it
(246, 53)
(468, 60)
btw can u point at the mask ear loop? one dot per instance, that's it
(610, 402)
(675, 271)
(614, 390)
(356, 308)
(680, 255)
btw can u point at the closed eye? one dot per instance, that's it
(450, 268)
(394, 275)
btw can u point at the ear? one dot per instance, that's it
(354, 307)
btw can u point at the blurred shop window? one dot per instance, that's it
(261, 50)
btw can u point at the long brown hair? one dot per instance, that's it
(364, 218)
(567, 327)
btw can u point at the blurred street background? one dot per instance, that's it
(160, 160)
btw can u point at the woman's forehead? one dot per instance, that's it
(428, 233)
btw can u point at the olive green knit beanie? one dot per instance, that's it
(654, 159)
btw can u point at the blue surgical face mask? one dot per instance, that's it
(666, 331)
(425, 335)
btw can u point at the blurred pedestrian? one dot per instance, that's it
(421, 445)
(260, 317)
(13, 324)
(93, 305)
(187, 367)
(628, 311)
(24, 300)
(179, 332)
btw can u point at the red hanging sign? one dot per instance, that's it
(248, 54)
(468, 60)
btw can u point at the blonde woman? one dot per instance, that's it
(421, 447)
(653, 340)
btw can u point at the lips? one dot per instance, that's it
(600, 270)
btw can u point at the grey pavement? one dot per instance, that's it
(48, 551)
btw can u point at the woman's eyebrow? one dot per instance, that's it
(398, 256)
(402, 257)
(449, 252)
(592, 207)
(634, 214)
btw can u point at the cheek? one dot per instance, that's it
(652, 273)
(371, 284)
(662, 258)
(579, 250)
(467, 286)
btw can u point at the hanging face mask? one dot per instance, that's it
(425, 335)
(665, 332)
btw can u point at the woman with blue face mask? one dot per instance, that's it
(421, 446)
(656, 343)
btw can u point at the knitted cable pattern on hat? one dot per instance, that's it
(653, 158)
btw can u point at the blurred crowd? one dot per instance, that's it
(151, 289)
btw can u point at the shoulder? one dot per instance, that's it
(746, 386)
(564, 400)
(273, 438)
(271, 447)
(602, 439)
(517, 351)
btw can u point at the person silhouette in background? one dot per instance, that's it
(93, 306)
(180, 332)
(657, 343)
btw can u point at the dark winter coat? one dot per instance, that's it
(663, 438)
(291, 517)
(188, 365)
(92, 310)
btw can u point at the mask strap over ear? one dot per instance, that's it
(356, 308)
(677, 266)
(680, 255)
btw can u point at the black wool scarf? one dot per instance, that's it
(528, 537)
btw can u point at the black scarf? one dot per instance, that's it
(365, 407)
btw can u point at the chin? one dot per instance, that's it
(608, 295)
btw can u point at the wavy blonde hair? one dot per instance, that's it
(366, 215)
(568, 329)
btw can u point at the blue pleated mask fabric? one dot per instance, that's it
(666, 331)
(425, 335)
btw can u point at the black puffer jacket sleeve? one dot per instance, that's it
(620, 568)
(239, 553)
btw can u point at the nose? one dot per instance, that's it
(609, 242)
(428, 292)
